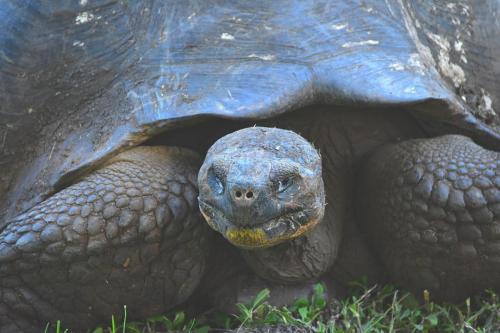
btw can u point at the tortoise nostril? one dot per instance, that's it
(249, 195)
(238, 194)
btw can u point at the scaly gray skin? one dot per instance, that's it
(131, 232)
(433, 209)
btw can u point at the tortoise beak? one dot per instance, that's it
(274, 231)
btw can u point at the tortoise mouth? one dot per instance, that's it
(284, 227)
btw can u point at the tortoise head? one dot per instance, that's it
(261, 186)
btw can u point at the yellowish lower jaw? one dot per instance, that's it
(257, 237)
(249, 238)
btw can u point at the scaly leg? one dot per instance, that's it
(129, 234)
(432, 207)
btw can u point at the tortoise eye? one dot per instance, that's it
(215, 182)
(218, 186)
(216, 178)
(285, 183)
(284, 175)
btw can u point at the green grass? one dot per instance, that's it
(368, 309)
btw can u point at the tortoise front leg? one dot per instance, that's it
(432, 207)
(129, 234)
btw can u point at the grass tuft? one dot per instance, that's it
(368, 309)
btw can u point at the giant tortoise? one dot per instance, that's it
(374, 150)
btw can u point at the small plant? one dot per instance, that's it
(310, 309)
(254, 312)
(304, 312)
